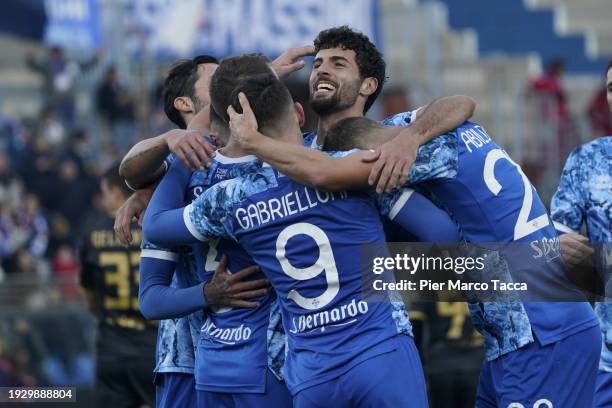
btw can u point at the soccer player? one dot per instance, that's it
(343, 349)
(171, 287)
(493, 202)
(585, 196)
(125, 346)
(231, 363)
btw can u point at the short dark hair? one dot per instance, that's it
(369, 60)
(180, 82)
(268, 96)
(608, 68)
(230, 73)
(113, 179)
(350, 133)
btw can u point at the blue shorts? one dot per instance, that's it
(603, 392)
(391, 380)
(175, 390)
(276, 395)
(560, 374)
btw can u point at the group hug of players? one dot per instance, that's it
(252, 233)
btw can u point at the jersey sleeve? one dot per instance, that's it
(204, 218)
(156, 297)
(400, 119)
(437, 159)
(567, 205)
(418, 216)
(163, 222)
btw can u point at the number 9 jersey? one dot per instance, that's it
(307, 243)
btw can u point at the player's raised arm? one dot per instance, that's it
(307, 166)
(286, 63)
(394, 158)
(144, 163)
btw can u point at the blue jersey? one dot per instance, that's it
(176, 338)
(237, 345)
(585, 196)
(306, 242)
(493, 202)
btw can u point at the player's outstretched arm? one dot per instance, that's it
(158, 300)
(408, 209)
(394, 158)
(306, 166)
(144, 163)
(163, 222)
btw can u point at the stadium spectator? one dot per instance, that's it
(59, 79)
(549, 86)
(599, 114)
(116, 108)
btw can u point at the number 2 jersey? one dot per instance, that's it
(474, 180)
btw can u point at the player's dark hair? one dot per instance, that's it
(230, 73)
(369, 60)
(608, 68)
(181, 82)
(113, 179)
(350, 133)
(268, 96)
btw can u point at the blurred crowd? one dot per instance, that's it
(50, 166)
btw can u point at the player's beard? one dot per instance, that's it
(344, 98)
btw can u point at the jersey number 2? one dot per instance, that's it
(524, 226)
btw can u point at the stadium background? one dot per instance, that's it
(535, 67)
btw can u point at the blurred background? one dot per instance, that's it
(80, 82)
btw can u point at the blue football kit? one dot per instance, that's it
(477, 183)
(584, 196)
(174, 380)
(306, 242)
(231, 357)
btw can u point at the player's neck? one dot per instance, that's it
(233, 149)
(325, 122)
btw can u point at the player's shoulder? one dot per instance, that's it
(399, 119)
(236, 190)
(600, 147)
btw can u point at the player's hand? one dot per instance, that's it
(134, 206)
(190, 147)
(393, 161)
(575, 248)
(285, 64)
(232, 290)
(243, 126)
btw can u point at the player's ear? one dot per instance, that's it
(184, 104)
(368, 86)
(299, 111)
